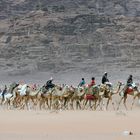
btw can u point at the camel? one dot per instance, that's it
(6, 99)
(52, 97)
(57, 97)
(32, 95)
(92, 94)
(108, 92)
(67, 93)
(8, 96)
(45, 98)
(21, 97)
(76, 95)
(132, 91)
(61, 97)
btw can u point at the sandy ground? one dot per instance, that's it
(69, 125)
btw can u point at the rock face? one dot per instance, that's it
(79, 35)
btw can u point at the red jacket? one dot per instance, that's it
(92, 83)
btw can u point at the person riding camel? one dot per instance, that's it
(49, 84)
(3, 92)
(82, 83)
(92, 82)
(128, 88)
(104, 78)
(130, 80)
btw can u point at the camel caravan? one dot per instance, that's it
(63, 97)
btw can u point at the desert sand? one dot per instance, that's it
(69, 125)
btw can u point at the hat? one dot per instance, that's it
(105, 73)
(51, 78)
(93, 78)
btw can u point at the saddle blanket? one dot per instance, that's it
(90, 97)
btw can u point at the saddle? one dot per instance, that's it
(129, 90)
(90, 97)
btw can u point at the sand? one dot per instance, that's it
(69, 125)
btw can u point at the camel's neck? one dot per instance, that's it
(115, 91)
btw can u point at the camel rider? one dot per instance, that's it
(49, 84)
(82, 83)
(129, 85)
(104, 78)
(92, 83)
(4, 91)
(130, 81)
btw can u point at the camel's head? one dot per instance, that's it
(120, 83)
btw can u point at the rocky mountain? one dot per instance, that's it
(64, 36)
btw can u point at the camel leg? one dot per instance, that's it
(76, 104)
(107, 103)
(90, 104)
(8, 104)
(4, 102)
(120, 103)
(41, 103)
(50, 107)
(94, 105)
(79, 104)
(100, 103)
(28, 104)
(56, 104)
(109, 100)
(71, 104)
(25, 102)
(95, 102)
(133, 102)
(65, 103)
(124, 102)
(60, 105)
(1, 101)
(34, 101)
(47, 103)
(112, 103)
(85, 103)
